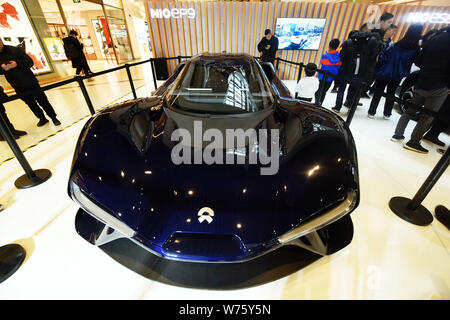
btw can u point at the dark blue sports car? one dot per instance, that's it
(127, 183)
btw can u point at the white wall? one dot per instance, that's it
(133, 8)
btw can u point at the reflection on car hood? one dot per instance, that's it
(157, 198)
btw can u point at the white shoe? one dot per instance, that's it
(386, 117)
(370, 116)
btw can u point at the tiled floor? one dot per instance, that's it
(69, 103)
(387, 259)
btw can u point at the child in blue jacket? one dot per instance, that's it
(330, 61)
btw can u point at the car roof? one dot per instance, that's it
(225, 58)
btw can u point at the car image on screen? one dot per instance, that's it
(299, 33)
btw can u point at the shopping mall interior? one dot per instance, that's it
(387, 257)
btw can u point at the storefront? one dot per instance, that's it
(191, 27)
(39, 26)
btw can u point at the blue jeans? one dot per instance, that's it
(351, 91)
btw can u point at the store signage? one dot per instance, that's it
(173, 13)
(430, 17)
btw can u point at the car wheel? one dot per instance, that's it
(406, 93)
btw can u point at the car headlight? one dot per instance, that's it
(322, 220)
(99, 213)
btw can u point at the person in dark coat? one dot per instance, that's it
(15, 64)
(385, 22)
(379, 34)
(268, 46)
(430, 90)
(356, 55)
(16, 133)
(74, 52)
(393, 65)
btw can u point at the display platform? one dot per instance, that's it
(387, 259)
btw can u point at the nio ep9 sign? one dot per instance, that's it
(210, 146)
(429, 17)
(205, 214)
(174, 13)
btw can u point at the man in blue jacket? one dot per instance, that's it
(331, 62)
(393, 65)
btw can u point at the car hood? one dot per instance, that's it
(142, 187)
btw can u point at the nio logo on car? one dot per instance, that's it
(205, 213)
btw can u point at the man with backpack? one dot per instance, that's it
(74, 51)
(393, 65)
(357, 54)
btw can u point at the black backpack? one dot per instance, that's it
(360, 50)
(360, 41)
(70, 49)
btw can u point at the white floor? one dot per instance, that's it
(69, 103)
(387, 259)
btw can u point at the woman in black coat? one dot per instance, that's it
(74, 51)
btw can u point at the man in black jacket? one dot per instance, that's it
(15, 64)
(74, 51)
(356, 55)
(268, 46)
(386, 21)
(430, 90)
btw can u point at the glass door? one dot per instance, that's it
(79, 17)
(119, 34)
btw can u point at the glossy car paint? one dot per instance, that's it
(135, 180)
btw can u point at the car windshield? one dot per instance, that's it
(221, 87)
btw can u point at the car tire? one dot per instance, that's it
(406, 93)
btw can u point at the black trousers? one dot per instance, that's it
(381, 85)
(320, 97)
(83, 66)
(5, 116)
(32, 98)
(336, 85)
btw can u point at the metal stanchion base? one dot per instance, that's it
(24, 181)
(11, 258)
(420, 216)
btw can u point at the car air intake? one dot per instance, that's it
(212, 247)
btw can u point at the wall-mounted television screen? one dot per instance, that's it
(299, 33)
